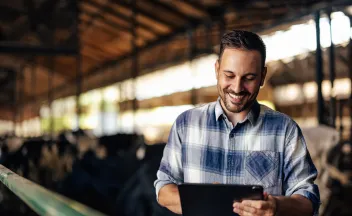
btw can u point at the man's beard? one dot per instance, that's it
(247, 100)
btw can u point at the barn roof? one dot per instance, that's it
(44, 36)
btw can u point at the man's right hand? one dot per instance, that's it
(169, 197)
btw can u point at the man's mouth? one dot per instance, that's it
(236, 98)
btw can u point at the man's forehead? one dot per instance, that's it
(240, 51)
(232, 55)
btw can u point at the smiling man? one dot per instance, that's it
(235, 140)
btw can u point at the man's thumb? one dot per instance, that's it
(266, 195)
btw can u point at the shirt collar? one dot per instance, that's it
(252, 115)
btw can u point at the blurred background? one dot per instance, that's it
(89, 90)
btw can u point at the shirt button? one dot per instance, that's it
(232, 135)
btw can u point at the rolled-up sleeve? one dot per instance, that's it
(299, 170)
(170, 170)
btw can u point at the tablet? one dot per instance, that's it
(215, 199)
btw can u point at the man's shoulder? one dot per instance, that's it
(196, 113)
(275, 117)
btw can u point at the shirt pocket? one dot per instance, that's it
(262, 168)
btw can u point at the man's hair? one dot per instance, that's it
(243, 40)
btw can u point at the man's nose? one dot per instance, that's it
(238, 85)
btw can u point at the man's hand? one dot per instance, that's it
(265, 207)
(169, 197)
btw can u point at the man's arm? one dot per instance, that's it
(289, 205)
(169, 197)
(299, 170)
(170, 173)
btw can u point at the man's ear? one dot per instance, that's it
(217, 69)
(263, 76)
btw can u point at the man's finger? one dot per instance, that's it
(265, 196)
(273, 203)
(244, 213)
(245, 210)
(240, 211)
(258, 204)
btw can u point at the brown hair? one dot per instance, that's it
(243, 40)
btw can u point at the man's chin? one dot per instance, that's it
(234, 108)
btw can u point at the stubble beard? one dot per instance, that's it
(237, 108)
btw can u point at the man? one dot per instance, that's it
(237, 141)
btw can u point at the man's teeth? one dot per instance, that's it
(235, 96)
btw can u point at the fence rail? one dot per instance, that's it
(41, 200)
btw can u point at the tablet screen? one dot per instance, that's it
(215, 199)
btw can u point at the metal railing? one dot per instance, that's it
(41, 200)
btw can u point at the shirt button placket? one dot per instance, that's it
(229, 167)
(229, 157)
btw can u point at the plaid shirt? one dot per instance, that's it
(267, 149)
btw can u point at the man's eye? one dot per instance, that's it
(229, 76)
(249, 78)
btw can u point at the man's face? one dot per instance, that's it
(239, 77)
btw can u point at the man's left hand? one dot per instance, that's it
(265, 207)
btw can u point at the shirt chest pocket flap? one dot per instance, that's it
(262, 168)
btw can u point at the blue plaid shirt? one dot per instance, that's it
(267, 149)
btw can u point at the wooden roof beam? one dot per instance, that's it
(104, 29)
(106, 21)
(46, 68)
(114, 25)
(94, 15)
(199, 7)
(15, 48)
(167, 7)
(90, 57)
(147, 14)
(100, 49)
(118, 15)
(99, 53)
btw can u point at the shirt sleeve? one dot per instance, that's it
(170, 170)
(299, 170)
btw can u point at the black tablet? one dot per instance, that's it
(215, 199)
